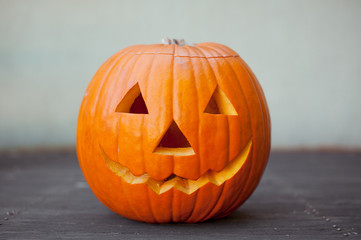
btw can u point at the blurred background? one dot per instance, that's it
(306, 55)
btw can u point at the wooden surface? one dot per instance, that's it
(301, 196)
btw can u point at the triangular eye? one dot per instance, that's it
(220, 104)
(133, 102)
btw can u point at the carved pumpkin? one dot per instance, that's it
(173, 132)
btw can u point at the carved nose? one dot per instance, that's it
(174, 142)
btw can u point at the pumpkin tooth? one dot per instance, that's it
(167, 185)
(128, 177)
(182, 185)
(212, 177)
(154, 185)
(140, 179)
(132, 179)
(194, 185)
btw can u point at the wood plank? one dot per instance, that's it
(43, 195)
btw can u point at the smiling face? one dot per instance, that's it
(174, 120)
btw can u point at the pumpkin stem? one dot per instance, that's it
(179, 42)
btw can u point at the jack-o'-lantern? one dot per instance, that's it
(173, 132)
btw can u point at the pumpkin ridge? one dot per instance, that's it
(198, 199)
(252, 165)
(250, 188)
(173, 198)
(202, 171)
(264, 112)
(117, 132)
(149, 70)
(216, 208)
(142, 142)
(239, 85)
(172, 111)
(127, 82)
(188, 48)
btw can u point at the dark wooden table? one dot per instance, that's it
(43, 195)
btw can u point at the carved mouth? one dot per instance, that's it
(182, 184)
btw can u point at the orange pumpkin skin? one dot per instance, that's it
(177, 83)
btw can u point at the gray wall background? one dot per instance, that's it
(306, 54)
